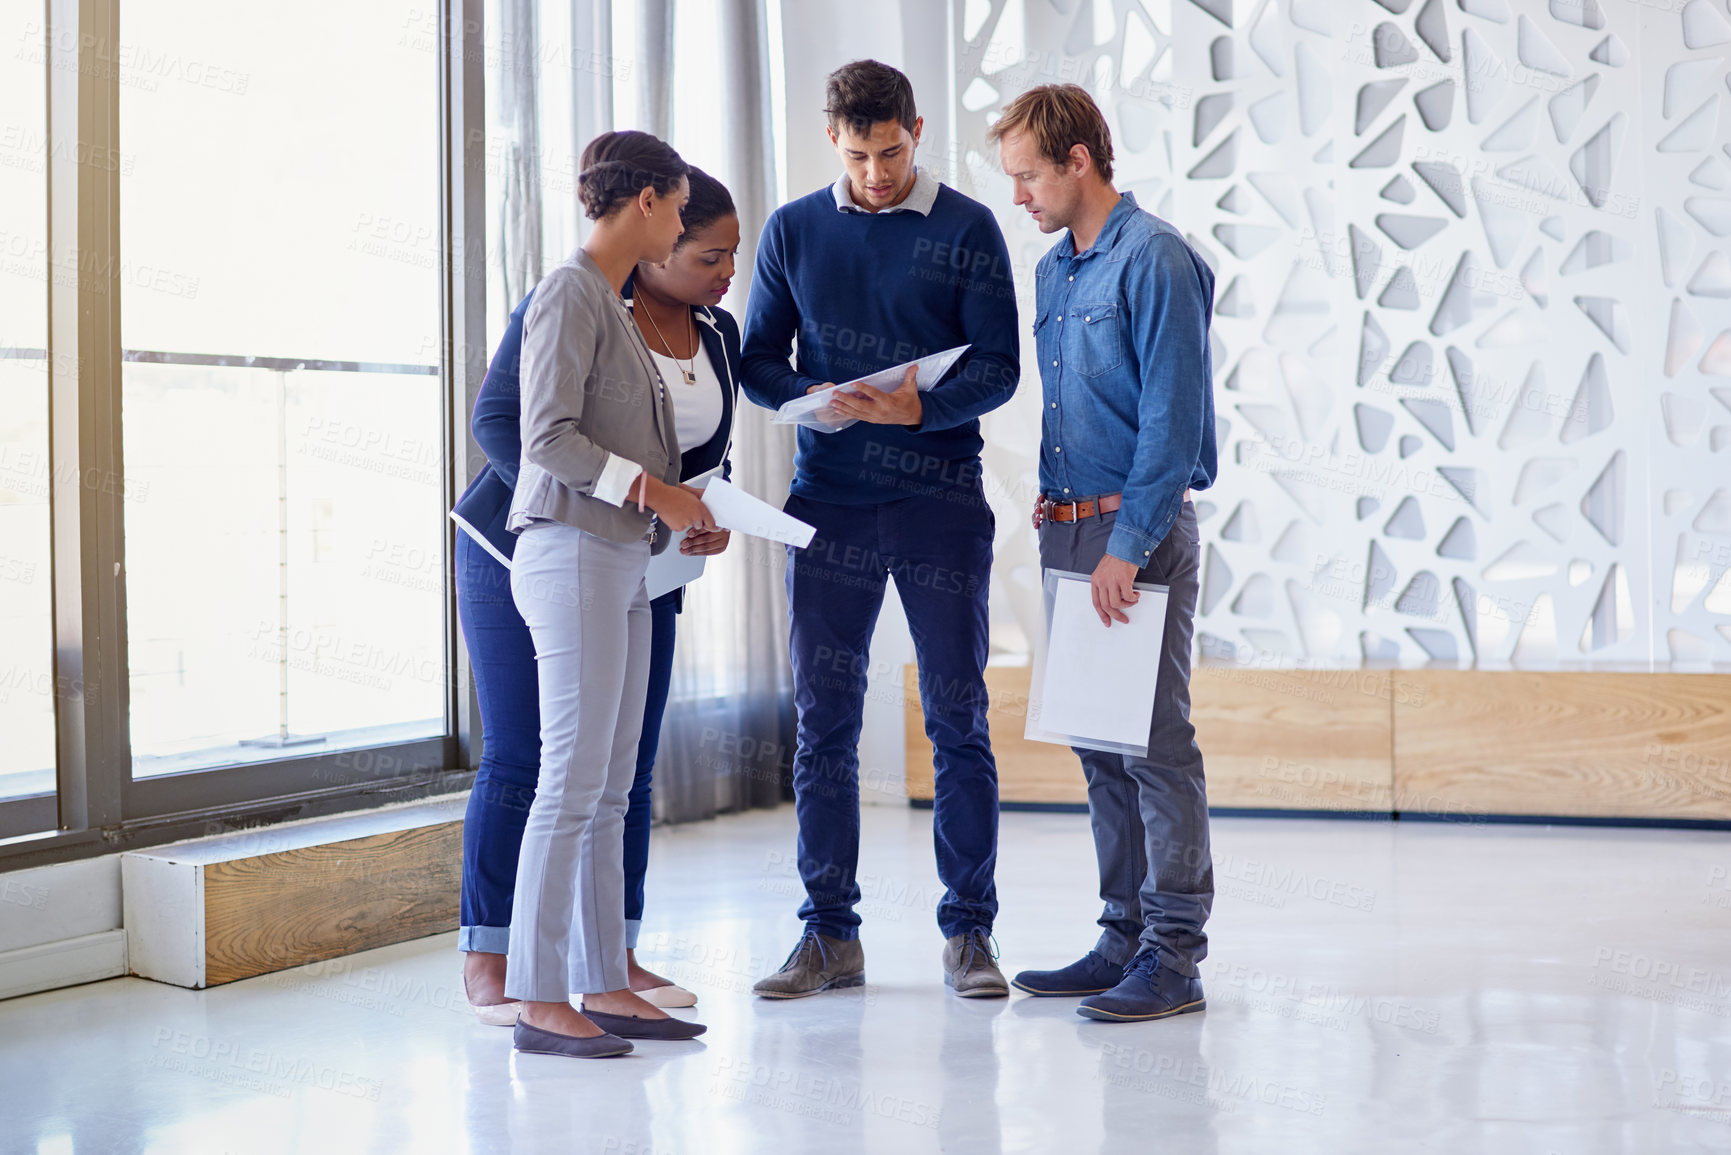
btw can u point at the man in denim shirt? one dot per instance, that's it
(1122, 311)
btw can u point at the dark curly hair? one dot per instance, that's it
(617, 166)
(710, 201)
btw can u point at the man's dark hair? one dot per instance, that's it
(865, 93)
(710, 201)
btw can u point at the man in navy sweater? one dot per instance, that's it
(881, 268)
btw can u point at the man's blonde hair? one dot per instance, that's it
(1058, 117)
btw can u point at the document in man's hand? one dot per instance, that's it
(813, 410)
(737, 510)
(1093, 685)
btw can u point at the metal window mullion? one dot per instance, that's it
(463, 289)
(86, 476)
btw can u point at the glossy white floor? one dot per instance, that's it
(1372, 988)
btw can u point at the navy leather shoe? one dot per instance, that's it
(1092, 974)
(1149, 991)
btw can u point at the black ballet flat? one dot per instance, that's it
(631, 1027)
(535, 1041)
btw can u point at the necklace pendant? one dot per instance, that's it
(690, 377)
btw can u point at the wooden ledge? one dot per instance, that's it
(1440, 742)
(236, 905)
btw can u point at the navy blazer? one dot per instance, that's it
(485, 505)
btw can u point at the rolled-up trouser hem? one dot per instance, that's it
(487, 939)
(633, 928)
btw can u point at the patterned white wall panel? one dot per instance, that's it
(1473, 323)
(1121, 51)
(1683, 306)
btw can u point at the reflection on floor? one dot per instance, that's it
(1373, 987)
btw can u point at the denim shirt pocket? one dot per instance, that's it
(1045, 343)
(1095, 345)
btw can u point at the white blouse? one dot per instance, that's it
(697, 409)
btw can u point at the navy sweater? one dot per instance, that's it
(863, 292)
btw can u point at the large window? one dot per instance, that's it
(282, 402)
(26, 638)
(232, 277)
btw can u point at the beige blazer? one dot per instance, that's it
(591, 391)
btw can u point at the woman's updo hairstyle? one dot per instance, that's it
(617, 166)
(710, 201)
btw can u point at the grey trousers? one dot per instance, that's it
(588, 611)
(1150, 815)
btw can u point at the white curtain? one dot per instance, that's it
(727, 743)
(554, 82)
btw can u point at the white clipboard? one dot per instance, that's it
(1093, 686)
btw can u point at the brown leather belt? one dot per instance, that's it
(1045, 509)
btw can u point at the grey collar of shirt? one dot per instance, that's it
(920, 198)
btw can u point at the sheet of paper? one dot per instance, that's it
(481, 540)
(737, 510)
(813, 411)
(1096, 687)
(670, 569)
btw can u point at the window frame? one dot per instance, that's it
(98, 807)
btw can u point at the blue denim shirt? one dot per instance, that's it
(1122, 331)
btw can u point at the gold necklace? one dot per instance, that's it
(688, 372)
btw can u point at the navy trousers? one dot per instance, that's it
(938, 549)
(502, 655)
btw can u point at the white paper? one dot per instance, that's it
(670, 569)
(1094, 686)
(480, 539)
(737, 510)
(813, 411)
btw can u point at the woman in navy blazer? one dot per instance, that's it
(501, 652)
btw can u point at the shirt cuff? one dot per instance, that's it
(1130, 545)
(615, 480)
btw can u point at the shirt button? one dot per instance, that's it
(1066, 489)
(1147, 553)
(1060, 319)
(1071, 278)
(1054, 364)
(1054, 404)
(1088, 318)
(1057, 449)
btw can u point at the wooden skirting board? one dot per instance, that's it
(1442, 743)
(237, 905)
(1591, 745)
